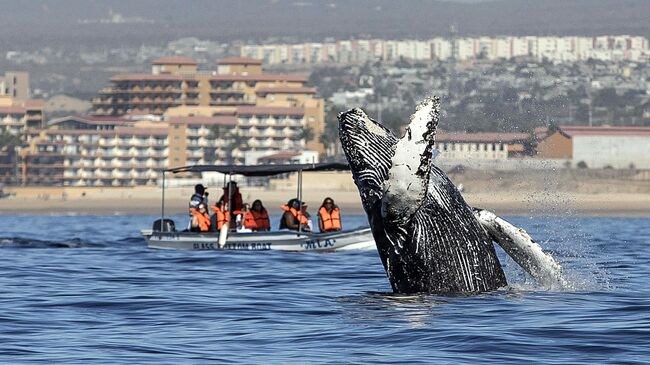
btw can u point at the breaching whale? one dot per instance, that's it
(429, 239)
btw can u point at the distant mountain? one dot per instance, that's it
(41, 22)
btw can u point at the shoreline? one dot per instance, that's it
(147, 201)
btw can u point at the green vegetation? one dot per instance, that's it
(8, 140)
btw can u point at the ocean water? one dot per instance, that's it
(86, 289)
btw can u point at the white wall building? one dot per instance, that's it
(555, 49)
(618, 147)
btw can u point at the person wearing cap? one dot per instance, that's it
(200, 196)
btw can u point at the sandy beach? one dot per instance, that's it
(509, 193)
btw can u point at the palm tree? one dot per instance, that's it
(9, 140)
(330, 136)
(306, 133)
(237, 141)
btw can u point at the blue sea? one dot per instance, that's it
(86, 289)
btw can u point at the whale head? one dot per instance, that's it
(382, 164)
(369, 148)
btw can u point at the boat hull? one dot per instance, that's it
(360, 238)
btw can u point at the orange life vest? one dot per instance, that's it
(203, 219)
(331, 222)
(298, 215)
(261, 219)
(220, 217)
(248, 221)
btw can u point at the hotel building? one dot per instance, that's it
(176, 82)
(116, 151)
(105, 151)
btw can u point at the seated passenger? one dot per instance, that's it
(293, 218)
(200, 219)
(221, 215)
(261, 216)
(329, 217)
(245, 220)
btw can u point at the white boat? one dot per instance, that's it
(164, 236)
(360, 238)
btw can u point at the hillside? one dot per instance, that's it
(39, 23)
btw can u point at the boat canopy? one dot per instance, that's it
(262, 170)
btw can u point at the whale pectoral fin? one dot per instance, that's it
(523, 249)
(408, 176)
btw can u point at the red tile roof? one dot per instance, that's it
(573, 131)
(481, 137)
(262, 77)
(135, 131)
(147, 77)
(12, 110)
(256, 110)
(239, 61)
(285, 90)
(34, 103)
(174, 60)
(202, 120)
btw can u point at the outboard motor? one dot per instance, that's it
(164, 225)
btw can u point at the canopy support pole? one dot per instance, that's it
(299, 195)
(162, 206)
(230, 211)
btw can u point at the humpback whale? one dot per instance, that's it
(428, 238)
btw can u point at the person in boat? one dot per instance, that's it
(305, 213)
(245, 220)
(293, 217)
(329, 216)
(220, 215)
(200, 219)
(237, 202)
(200, 196)
(261, 216)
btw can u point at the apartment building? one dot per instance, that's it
(176, 82)
(266, 128)
(118, 151)
(17, 116)
(556, 49)
(101, 151)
